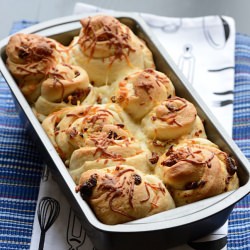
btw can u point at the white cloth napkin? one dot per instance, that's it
(204, 49)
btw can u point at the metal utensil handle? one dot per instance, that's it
(42, 239)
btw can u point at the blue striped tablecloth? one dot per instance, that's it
(21, 166)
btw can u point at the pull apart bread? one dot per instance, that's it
(133, 147)
(109, 50)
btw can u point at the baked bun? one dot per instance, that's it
(121, 194)
(170, 120)
(139, 92)
(196, 169)
(108, 152)
(69, 128)
(108, 50)
(30, 58)
(65, 85)
(94, 136)
(110, 146)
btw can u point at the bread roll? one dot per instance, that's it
(139, 92)
(171, 119)
(108, 50)
(124, 152)
(30, 58)
(170, 122)
(65, 85)
(120, 194)
(94, 136)
(69, 128)
(196, 169)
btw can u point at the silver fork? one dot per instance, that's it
(222, 103)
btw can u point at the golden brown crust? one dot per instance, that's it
(93, 137)
(70, 128)
(65, 85)
(118, 152)
(170, 122)
(30, 59)
(120, 194)
(108, 50)
(196, 169)
(139, 92)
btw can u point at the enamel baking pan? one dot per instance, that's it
(162, 230)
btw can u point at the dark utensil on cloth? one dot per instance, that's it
(48, 211)
(222, 103)
(45, 174)
(218, 70)
(224, 92)
(75, 233)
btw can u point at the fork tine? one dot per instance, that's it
(222, 103)
(224, 92)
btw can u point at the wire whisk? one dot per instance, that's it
(48, 211)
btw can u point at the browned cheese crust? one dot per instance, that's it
(196, 169)
(108, 50)
(120, 194)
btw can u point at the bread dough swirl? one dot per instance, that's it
(94, 136)
(122, 193)
(30, 59)
(65, 85)
(69, 128)
(139, 92)
(173, 118)
(196, 169)
(108, 50)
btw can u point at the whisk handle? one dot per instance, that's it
(42, 238)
